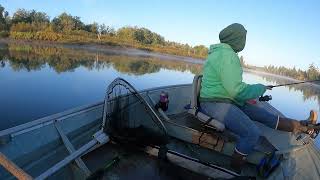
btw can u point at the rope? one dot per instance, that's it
(13, 168)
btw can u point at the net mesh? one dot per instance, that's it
(128, 116)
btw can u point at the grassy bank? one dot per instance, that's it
(87, 38)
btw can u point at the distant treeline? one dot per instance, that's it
(34, 25)
(312, 73)
(309, 92)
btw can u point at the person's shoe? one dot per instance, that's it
(237, 162)
(312, 119)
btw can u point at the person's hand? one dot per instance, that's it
(269, 87)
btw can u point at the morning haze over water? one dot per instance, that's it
(39, 80)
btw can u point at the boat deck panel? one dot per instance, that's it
(188, 120)
(134, 164)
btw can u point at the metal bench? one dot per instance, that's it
(195, 108)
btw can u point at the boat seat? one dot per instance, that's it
(195, 108)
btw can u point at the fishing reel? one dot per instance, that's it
(305, 138)
(163, 101)
(265, 98)
(316, 130)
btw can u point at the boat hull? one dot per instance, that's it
(37, 145)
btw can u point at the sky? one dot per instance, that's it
(282, 33)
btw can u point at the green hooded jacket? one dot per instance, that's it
(222, 71)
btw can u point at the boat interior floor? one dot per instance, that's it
(136, 164)
(188, 120)
(133, 164)
(210, 155)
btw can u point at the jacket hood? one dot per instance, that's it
(215, 47)
(235, 36)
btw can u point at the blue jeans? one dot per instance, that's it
(238, 119)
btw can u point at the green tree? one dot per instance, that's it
(29, 21)
(4, 19)
(39, 17)
(201, 50)
(67, 23)
(23, 15)
(126, 33)
(94, 27)
(106, 30)
(313, 72)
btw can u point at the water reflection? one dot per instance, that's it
(309, 91)
(34, 58)
(38, 80)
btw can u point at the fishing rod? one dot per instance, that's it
(289, 84)
(269, 97)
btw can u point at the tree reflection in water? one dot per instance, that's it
(33, 58)
(309, 91)
(61, 59)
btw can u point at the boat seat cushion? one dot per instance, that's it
(195, 108)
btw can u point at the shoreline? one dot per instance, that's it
(270, 74)
(278, 76)
(117, 49)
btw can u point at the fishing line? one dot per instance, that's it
(289, 84)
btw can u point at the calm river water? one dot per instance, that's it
(36, 81)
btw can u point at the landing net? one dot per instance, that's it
(128, 116)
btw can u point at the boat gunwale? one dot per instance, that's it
(46, 120)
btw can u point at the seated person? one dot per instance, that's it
(223, 96)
